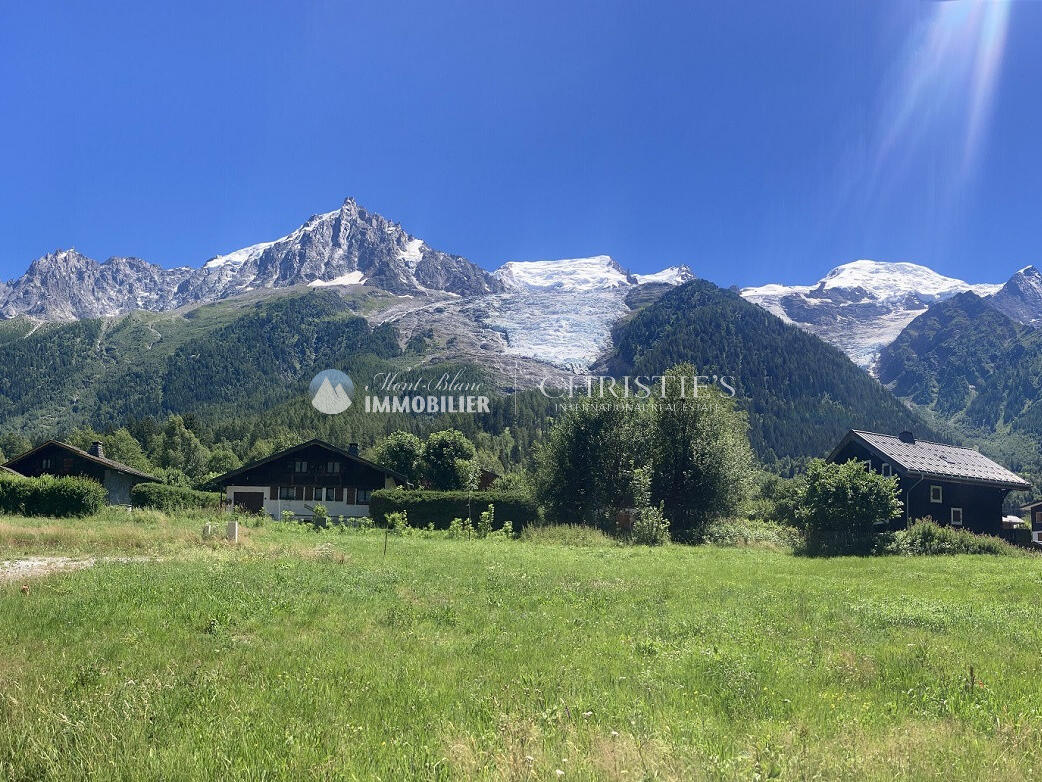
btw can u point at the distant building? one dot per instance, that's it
(61, 459)
(299, 478)
(956, 486)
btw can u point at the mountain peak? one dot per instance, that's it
(862, 305)
(349, 243)
(1021, 297)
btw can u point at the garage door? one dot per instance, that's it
(252, 501)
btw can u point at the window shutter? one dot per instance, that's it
(300, 492)
(274, 492)
(309, 493)
(339, 493)
(349, 494)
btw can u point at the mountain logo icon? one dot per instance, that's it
(331, 391)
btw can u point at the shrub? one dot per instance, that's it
(320, 516)
(398, 523)
(486, 521)
(458, 528)
(50, 496)
(173, 498)
(839, 506)
(925, 537)
(650, 527)
(441, 507)
(751, 532)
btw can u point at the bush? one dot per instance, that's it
(398, 523)
(173, 498)
(50, 496)
(925, 537)
(441, 507)
(650, 527)
(840, 506)
(751, 532)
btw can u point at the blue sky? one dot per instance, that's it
(755, 141)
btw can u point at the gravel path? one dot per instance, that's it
(15, 569)
(34, 567)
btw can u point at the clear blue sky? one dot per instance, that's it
(755, 141)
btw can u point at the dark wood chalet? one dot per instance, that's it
(306, 475)
(57, 458)
(952, 485)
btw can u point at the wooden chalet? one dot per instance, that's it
(952, 485)
(61, 459)
(298, 478)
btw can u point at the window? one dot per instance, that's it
(362, 496)
(287, 493)
(332, 467)
(301, 466)
(956, 517)
(935, 494)
(45, 464)
(885, 469)
(330, 494)
(868, 464)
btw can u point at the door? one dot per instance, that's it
(252, 501)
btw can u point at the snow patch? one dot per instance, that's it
(600, 272)
(412, 253)
(351, 278)
(674, 275)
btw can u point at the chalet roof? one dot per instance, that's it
(111, 464)
(9, 471)
(223, 480)
(936, 460)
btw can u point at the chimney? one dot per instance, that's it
(352, 449)
(97, 449)
(906, 437)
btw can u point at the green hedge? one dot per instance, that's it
(926, 537)
(173, 498)
(50, 496)
(441, 507)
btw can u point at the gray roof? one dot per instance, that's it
(944, 462)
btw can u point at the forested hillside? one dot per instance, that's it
(978, 372)
(801, 393)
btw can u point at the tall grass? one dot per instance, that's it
(304, 654)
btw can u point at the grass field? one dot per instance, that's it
(299, 654)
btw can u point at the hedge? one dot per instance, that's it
(441, 507)
(173, 498)
(50, 496)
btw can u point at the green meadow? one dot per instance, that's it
(299, 654)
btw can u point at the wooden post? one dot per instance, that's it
(233, 531)
(207, 531)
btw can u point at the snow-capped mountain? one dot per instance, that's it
(1021, 297)
(599, 273)
(557, 312)
(862, 306)
(563, 311)
(346, 246)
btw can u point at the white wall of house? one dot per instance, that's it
(274, 508)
